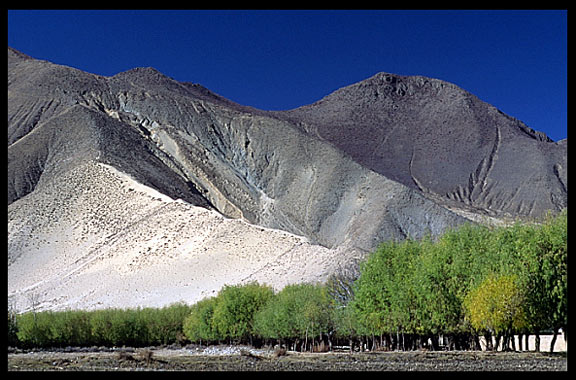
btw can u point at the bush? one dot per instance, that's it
(34, 329)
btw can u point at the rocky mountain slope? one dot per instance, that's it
(432, 136)
(138, 190)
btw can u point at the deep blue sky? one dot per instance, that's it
(282, 59)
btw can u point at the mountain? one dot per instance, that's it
(433, 136)
(139, 190)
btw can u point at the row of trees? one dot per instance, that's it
(471, 282)
(108, 327)
(298, 316)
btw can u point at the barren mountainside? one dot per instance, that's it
(139, 190)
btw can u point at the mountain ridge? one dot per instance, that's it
(313, 172)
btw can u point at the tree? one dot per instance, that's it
(164, 325)
(496, 305)
(340, 288)
(234, 312)
(387, 291)
(198, 325)
(440, 307)
(34, 328)
(70, 328)
(373, 291)
(300, 311)
(545, 254)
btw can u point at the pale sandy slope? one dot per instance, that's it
(121, 244)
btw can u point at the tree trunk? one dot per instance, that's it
(513, 340)
(498, 337)
(506, 341)
(488, 338)
(526, 341)
(537, 342)
(553, 339)
(435, 343)
(520, 342)
(477, 342)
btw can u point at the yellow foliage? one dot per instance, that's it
(496, 305)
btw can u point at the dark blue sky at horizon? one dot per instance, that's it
(283, 59)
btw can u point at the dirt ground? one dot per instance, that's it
(239, 359)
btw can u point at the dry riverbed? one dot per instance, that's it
(237, 358)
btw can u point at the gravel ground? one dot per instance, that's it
(241, 358)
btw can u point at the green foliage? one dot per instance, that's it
(439, 308)
(389, 293)
(235, 309)
(109, 327)
(374, 291)
(34, 329)
(466, 255)
(70, 328)
(297, 311)
(165, 325)
(198, 325)
(425, 287)
(546, 274)
(229, 315)
(340, 290)
(117, 327)
(345, 322)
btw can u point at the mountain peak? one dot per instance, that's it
(144, 75)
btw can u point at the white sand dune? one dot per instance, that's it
(119, 243)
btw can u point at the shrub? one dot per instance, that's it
(70, 328)
(34, 329)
